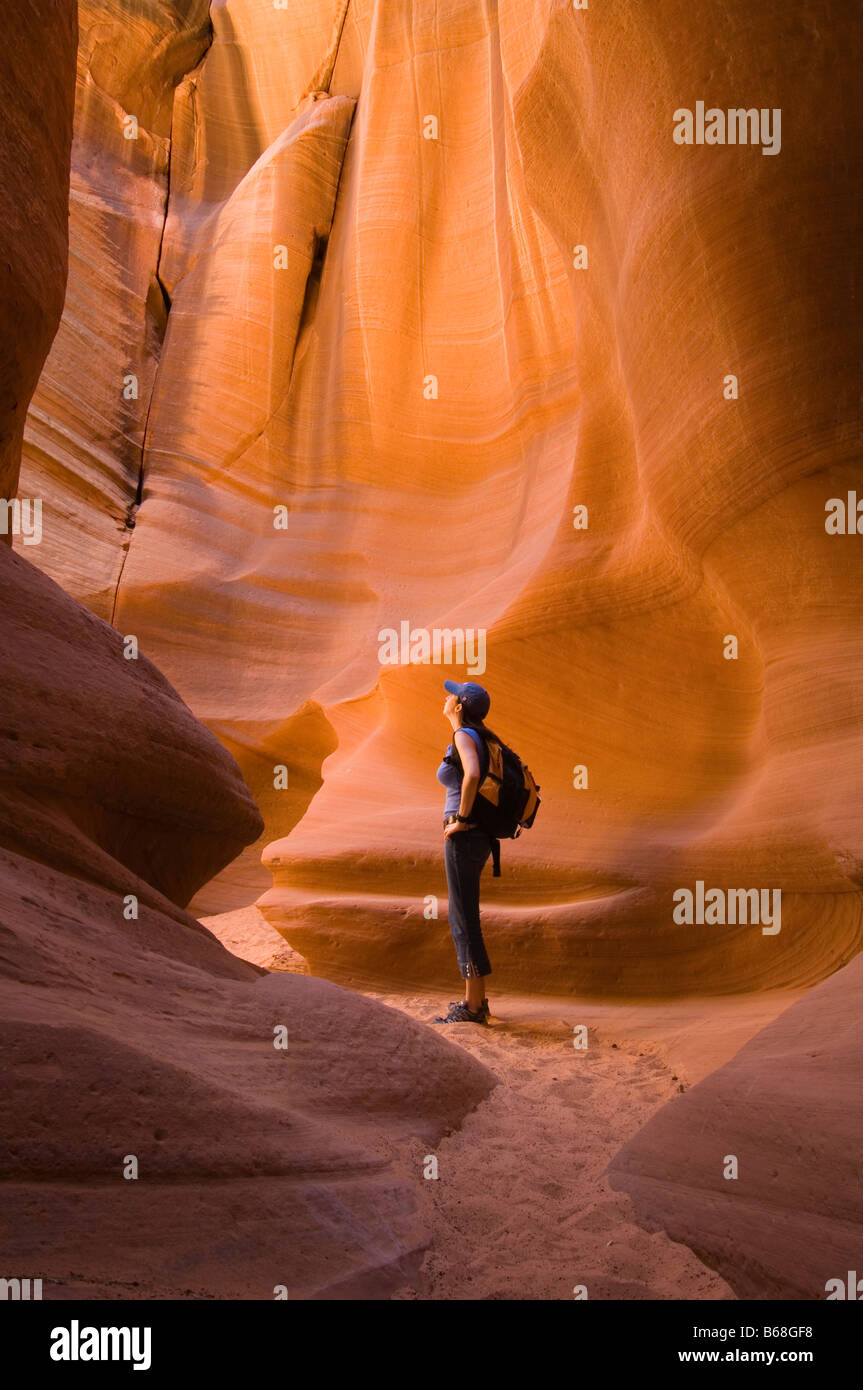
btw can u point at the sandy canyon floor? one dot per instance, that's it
(521, 1208)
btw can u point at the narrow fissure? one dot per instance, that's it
(157, 309)
(324, 74)
(158, 306)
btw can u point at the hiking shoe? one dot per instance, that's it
(483, 1008)
(460, 1013)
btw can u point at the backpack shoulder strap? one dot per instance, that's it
(482, 746)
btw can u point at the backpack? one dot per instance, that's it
(507, 798)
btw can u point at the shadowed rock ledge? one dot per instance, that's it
(156, 1141)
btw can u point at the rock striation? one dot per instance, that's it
(177, 1123)
(34, 228)
(786, 1217)
(410, 294)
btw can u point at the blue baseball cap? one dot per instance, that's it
(476, 701)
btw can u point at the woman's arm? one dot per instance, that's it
(470, 781)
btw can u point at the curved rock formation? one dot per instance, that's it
(103, 765)
(364, 223)
(130, 1033)
(38, 74)
(145, 1042)
(86, 424)
(176, 1122)
(789, 1218)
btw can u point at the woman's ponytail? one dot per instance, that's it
(481, 728)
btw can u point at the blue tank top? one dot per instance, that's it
(450, 776)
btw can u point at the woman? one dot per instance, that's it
(467, 846)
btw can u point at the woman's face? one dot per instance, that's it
(451, 705)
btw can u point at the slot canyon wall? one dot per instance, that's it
(329, 204)
(193, 386)
(127, 1030)
(788, 1108)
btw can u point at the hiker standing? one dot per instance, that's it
(467, 845)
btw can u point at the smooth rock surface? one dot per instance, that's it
(130, 1032)
(787, 1107)
(308, 387)
(36, 89)
(130, 1036)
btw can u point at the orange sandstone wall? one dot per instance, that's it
(787, 1218)
(126, 1028)
(340, 259)
(34, 176)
